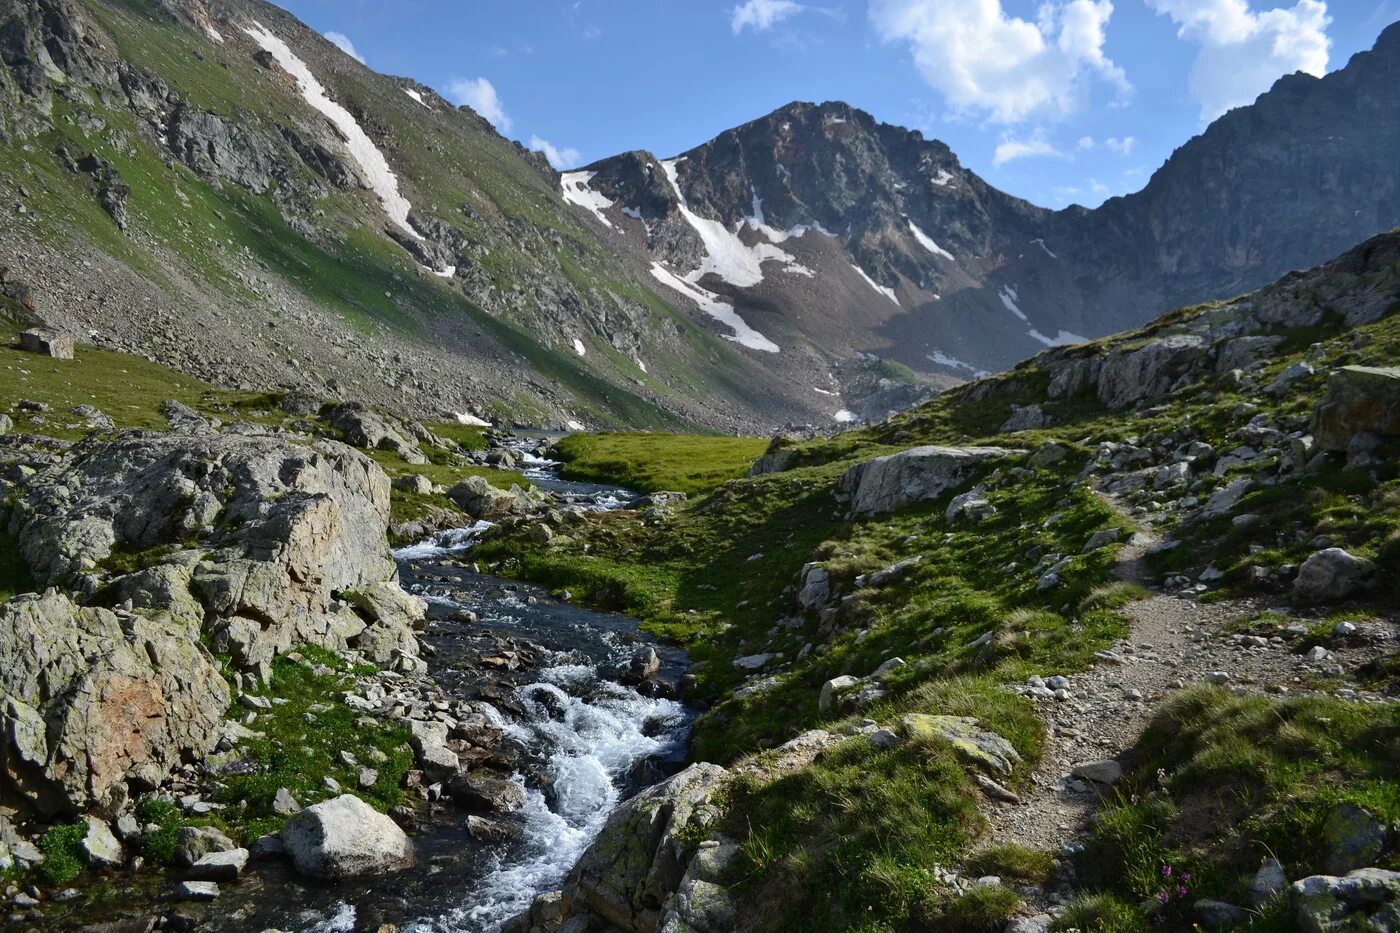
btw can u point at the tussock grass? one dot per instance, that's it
(689, 463)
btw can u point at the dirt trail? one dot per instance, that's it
(1174, 641)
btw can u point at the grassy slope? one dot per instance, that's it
(689, 463)
(856, 834)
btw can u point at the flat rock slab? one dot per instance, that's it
(219, 866)
(967, 737)
(919, 474)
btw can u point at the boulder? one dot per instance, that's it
(94, 699)
(415, 483)
(391, 616)
(485, 794)
(967, 738)
(1106, 771)
(779, 456)
(1353, 838)
(480, 499)
(701, 904)
(1219, 915)
(257, 535)
(971, 506)
(832, 689)
(1359, 399)
(219, 866)
(100, 848)
(815, 592)
(919, 474)
(195, 842)
(1364, 901)
(362, 427)
(1269, 882)
(49, 343)
(1025, 418)
(1331, 574)
(639, 859)
(344, 838)
(1131, 374)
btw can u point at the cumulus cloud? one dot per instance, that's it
(559, 158)
(480, 95)
(1123, 146)
(762, 15)
(1035, 146)
(985, 62)
(1242, 52)
(341, 41)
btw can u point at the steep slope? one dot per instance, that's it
(217, 186)
(821, 225)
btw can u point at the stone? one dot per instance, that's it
(971, 506)
(752, 662)
(1363, 901)
(415, 483)
(481, 500)
(1106, 771)
(826, 699)
(1047, 455)
(47, 342)
(643, 666)
(1284, 380)
(197, 891)
(1269, 882)
(1040, 923)
(1331, 574)
(92, 700)
(365, 428)
(1226, 498)
(1353, 838)
(219, 866)
(1359, 399)
(344, 837)
(100, 848)
(967, 738)
(639, 858)
(1218, 915)
(919, 474)
(485, 794)
(815, 592)
(1101, 539)
(283, 803)
(1025, 418)
(1128, 375)
(194, 842)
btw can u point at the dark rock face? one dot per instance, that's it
(987, 279)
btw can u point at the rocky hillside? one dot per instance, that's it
(1107, 642)
(216, 186)
(822, 226)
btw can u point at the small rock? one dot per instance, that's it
(1106, 771)
(196, 891)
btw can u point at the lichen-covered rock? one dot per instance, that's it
(1359, 399)
(249, 537)
(701, 904)
(93, 698)
(637, 861)
(885, 484)
(344, 838)
(1131, 374)
(967, 738)
(1364, 901)
(1353, 838)
(366, 428)
(480, 499)
(1331, 574)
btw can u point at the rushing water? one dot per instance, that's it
(588, 740)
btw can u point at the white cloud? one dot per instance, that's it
(480, 95)
(1036, 145)
(1243, 52)
(1122, 146)
(341, 41)
(762, 15)
(1087, 143)
(559, 158)
(984, 61)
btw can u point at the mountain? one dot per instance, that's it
(825, 227)
(214, 185)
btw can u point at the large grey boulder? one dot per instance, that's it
(1149, 371)
(1331, 574)
(1354, 838)
(480, 499)
(1364, 901)
(815, 592)
(701, 904)
(343, 838)
(93, 699)
(919, 474)
(363, 427)
(47, 342)
(627, 874)
(251, 538)
(1359, 398)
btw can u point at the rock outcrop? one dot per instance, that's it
(94, 698)
(1359, 399)
(919, 474)
(258, 542)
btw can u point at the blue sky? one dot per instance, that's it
(1057, 101)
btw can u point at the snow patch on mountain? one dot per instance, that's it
(214, 34)
(952, 362)
(467, 418)
(576, 191)
(634, 212)
(416, 96)
(926, 241)
(943, 178)
(882, 289)
(846, 417)
(1062, 338)
(725, 254)
(446, 272)
(721, 311)
(1042, 245)
(1008, 298)
(579, 348)
(375, 168)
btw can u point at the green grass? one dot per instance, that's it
(689, 463)
(297, 754)
(1241, 779)
(63, 861)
